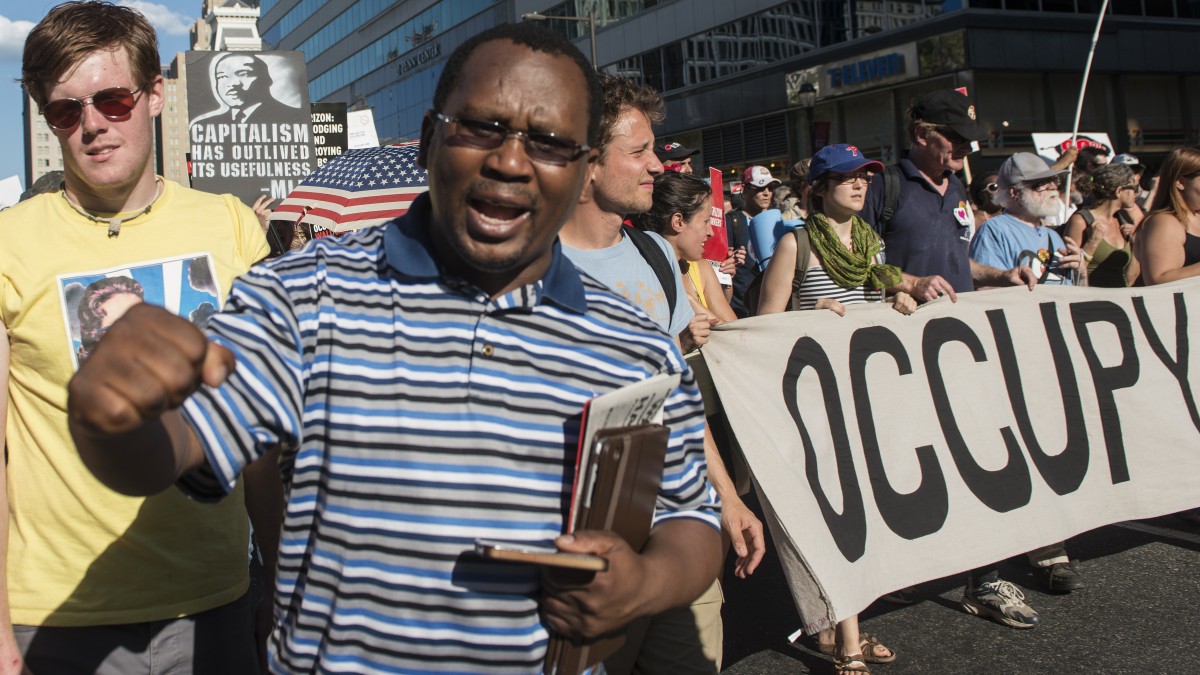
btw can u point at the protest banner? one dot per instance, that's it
(895, 449)
(252, 134)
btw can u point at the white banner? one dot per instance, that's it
(898, 449)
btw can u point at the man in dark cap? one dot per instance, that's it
(675, 157)
(923, 215)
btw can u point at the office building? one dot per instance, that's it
(764, 81)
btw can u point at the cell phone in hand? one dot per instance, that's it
(512, 551)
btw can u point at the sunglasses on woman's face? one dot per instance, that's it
(115, 103)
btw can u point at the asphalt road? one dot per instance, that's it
(1139, 613)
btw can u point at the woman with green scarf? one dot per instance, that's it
(845, 257)
(843, 266)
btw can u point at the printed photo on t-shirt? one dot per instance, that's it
(92, 301)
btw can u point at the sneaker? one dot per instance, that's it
(1061, 577)
(1000, 601)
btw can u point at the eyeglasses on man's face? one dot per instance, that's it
(547, 148)
(115, 103)
(1045, 185)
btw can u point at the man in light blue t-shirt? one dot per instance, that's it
(1028, 191)
(685, 640)
(595, 237)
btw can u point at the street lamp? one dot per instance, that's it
(590, 19)
(808, 98)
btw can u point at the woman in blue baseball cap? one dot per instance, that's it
(843, 262)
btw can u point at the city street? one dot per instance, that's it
(1138, 613)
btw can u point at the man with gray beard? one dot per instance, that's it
(1028, 191)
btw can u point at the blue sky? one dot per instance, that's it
(172, 19)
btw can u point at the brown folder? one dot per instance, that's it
(618, 492)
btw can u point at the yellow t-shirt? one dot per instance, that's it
(80, 554)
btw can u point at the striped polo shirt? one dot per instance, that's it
(417, 414)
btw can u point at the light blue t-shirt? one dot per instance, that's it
(1006, 242)
(623, 269)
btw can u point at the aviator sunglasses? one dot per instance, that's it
(114, 103)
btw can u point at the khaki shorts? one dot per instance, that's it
(681, 641)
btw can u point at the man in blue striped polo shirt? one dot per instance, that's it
(424, 380)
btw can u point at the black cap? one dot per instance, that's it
(950, 108)
(673, 152)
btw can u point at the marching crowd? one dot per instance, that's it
(365, 408)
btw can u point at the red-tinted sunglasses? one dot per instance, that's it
(114, 103)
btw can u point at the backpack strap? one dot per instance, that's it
(803, 250)
(891, 196)
(1087, 216)
(663, 268)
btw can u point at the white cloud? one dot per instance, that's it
(12, 38)
(163, 19)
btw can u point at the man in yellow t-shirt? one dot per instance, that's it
(97, 581)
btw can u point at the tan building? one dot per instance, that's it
(42, 154)
(172, 128)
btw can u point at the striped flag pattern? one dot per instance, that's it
(361, 187)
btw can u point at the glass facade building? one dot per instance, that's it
(732, 73)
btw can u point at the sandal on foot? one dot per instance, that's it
(852, 664)
(871, 648)
(868, 644)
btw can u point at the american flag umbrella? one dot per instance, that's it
(360, 187)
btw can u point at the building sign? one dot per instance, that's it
(330, 134)
(866, 70)
(420, 58)
(252, 132)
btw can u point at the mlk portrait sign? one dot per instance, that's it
(889, 450)
(251, 128)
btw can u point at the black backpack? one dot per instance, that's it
(663, 267)
(891, 196)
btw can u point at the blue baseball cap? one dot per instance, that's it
(840, 158)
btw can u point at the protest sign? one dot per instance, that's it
(895, 449)
(1052, 145)
(716, 247)
(330, 136)
(252, 131)
(361, 124)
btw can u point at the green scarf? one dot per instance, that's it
(847, 268)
